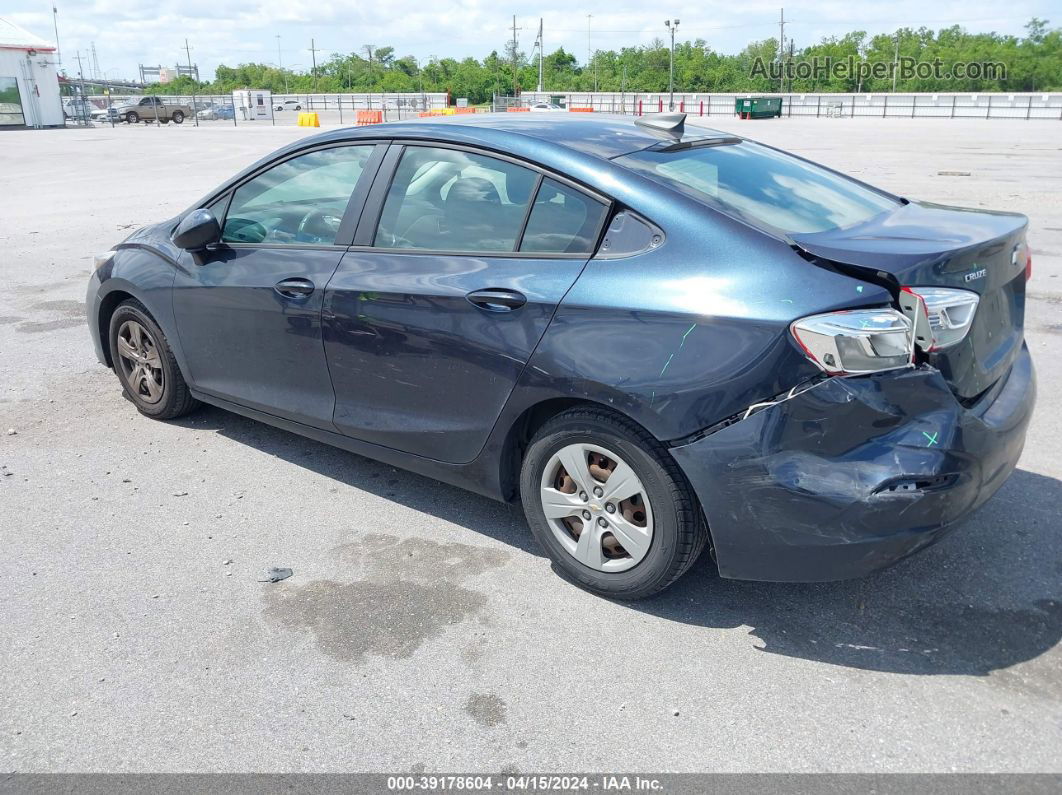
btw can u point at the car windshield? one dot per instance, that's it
(762, 186)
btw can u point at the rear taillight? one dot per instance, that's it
(856, 341)
(941, 315)
(1022, 253)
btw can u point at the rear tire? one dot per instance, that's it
(145, 364)
(662, 505)
(178, 117)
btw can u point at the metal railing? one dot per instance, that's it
(1031, 105)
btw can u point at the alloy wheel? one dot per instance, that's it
(140, 361)
(596, 507)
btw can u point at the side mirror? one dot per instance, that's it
(197, 230)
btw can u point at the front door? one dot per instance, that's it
(431, 319)
(249, 312)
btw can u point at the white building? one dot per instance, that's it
(29, 84)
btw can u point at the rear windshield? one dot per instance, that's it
(764, 187)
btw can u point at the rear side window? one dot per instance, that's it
(764, 187)
(562, 221)
(449, 200)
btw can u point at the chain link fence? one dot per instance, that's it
(234, 109)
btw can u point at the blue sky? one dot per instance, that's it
(129, 32)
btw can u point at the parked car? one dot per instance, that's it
(80, 109)
(152, 109)
(217, 112)
(656, 338)
(546, 107)
(288, 104)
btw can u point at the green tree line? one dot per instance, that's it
(1032, 62)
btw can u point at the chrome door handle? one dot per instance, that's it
(294, 288)
(497, 300)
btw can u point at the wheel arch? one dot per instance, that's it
(108, 304)
(526, 424)
(533, 417)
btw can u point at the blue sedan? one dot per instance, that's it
(657, 338)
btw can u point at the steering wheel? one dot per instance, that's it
(318, 226)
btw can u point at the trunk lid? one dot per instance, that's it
(928, 245)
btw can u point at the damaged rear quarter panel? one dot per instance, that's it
(687, 334)
(801, 489)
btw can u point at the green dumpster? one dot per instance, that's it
(758, 107)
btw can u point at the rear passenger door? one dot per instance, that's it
(459, 262)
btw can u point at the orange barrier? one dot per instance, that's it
(464, 110)
(426, 114)
(365, 117)
(580, 110)
(518, 110)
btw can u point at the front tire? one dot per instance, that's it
(131, 117)
(145, 364)
(609, 505)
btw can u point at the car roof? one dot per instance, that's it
(600, 135)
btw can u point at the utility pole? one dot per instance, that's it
(589, 57)
(313, 55)
(280, 64)
(55, 22)
(81, 80)
(672, 25)
(792, 51)
(368, 52)
(541, 54)
(516, 88)
(781, 47)
(195, 110)
(95, 63)
(896, 62)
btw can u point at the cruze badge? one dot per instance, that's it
(975, 275)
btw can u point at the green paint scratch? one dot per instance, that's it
(932, 439)
(859, 289)
(690, 329)
(787, 300)
(668, 362)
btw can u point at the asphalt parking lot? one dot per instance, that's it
(422, 629)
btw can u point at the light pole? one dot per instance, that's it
(895, 62)
(55, 22)
(672, 25)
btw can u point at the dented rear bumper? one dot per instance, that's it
(855, 473)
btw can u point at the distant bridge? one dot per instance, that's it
(121, 86)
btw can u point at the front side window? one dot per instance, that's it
(764, 187)
(300, 201)
(449, 200)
